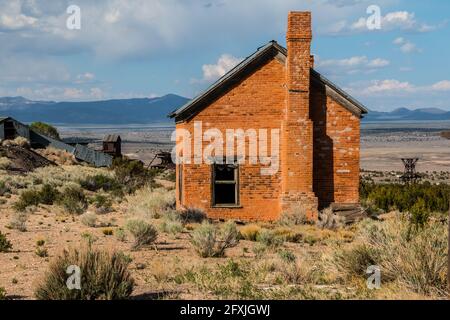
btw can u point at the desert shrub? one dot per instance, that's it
(355, 261)
(121, 235)
(104, 275)
(192, 215)
(329, 220)
(400, 197)
(89, 238)
(46, 195)
(259, 250)
(108, 232)
(144, 233)
(132, 174)
(2, 293)
(5, 163)
(19, 221)
(5, 245)
(40, 243)
(171, 223)
(3, 188)
(415, 258)
(41, 252)
(101, 182)
(288, 234)
(151, 203)
(419, 214)
(210, 241)
(102, 204)
(89, 219)
(296, 215)
(45, 129)
(250, 232)
(270, 239)
(287, 256)
(73, 200)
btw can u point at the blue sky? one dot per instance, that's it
(146, 48)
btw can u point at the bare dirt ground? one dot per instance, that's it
(382, 151)
(154, 269)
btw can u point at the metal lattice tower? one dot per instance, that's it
(410, 175)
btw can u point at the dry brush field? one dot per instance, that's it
(122, 222)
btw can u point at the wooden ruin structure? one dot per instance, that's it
(112, 145)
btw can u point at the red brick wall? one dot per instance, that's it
(336, 150)
(256, 102)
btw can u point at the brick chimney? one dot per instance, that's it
(297, 154)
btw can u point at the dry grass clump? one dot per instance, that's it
(89, 219)
(73, 200)
(192, 215)
(171, 223)
(2, 293)
(60, 157)
(58, 176)
(296, 215)
(250, 232)
(5, 163)
(415, 258)
(104, 276)
(17, 142)
(210, 241)
(5, 244)
(144, 233)
(329, 220)
(150, 203)
(19, 221)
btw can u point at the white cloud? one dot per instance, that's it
(441, 86)
(388, 86)
(406, 46)
(352, 65)
(397, 20)
(85, 77)
(12, 18)
(393, 87)
(378, 63)
(225, 63)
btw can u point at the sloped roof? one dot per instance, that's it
(111, 138)
(4, 118)
(271, 49)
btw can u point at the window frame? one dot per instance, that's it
(214, 182)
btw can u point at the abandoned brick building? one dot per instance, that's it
(275, 88)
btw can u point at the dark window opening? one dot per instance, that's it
(225, 185)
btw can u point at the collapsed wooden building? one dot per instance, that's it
(10, 129)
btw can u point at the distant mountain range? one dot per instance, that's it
(125, 111)
(404, 114)
(151, 110)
